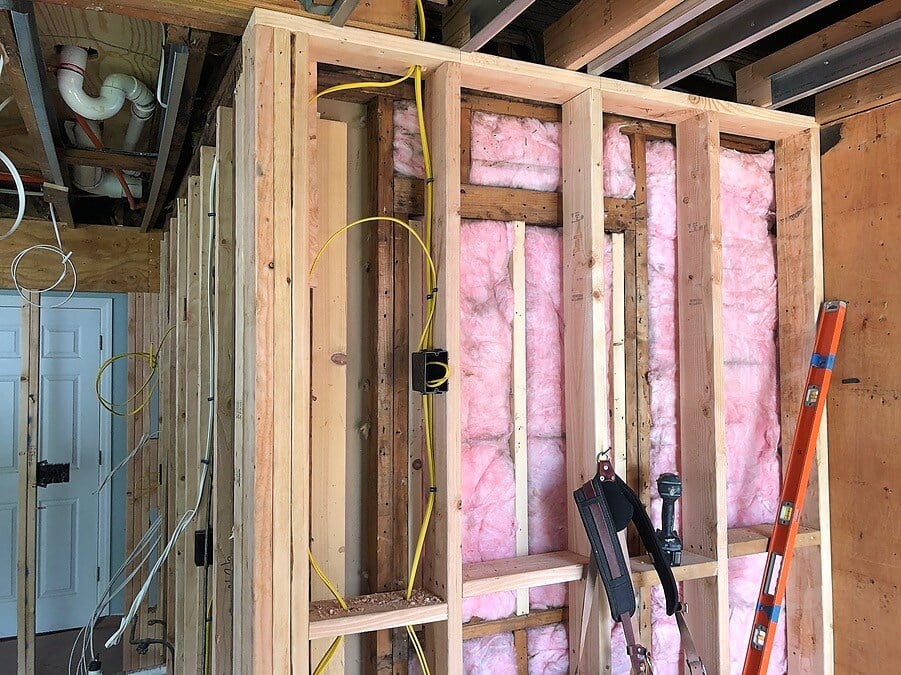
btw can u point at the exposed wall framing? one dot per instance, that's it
(199, 608)
(143, 475)
(280, 204)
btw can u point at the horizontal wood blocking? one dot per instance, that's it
(108, 259)
(754, 539)
(527, 571)
(534, 207)
(377, 611)
(478, 628)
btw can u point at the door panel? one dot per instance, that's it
(71, 431)
(73, 557)
(10, 372)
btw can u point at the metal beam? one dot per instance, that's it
(734, 29)
(689, 10)
(178, 68)
(341, 11)
(487, 18)
(859, 56)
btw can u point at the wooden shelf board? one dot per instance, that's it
(693, 566)
(527, 571)
(374, 612)
(754, 539)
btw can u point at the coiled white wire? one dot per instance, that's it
(65, 261)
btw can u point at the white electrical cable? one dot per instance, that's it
(211, 418)
(146, 437)
(6, 102)
(159, 77)
(145, 548)
(65, 261)
(20, 188)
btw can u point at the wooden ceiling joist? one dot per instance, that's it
(231, 16)
(753, 82)
(593, 27)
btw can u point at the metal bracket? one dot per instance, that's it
(338, 12)
(50, 474)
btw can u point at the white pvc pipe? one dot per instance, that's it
(115, 90)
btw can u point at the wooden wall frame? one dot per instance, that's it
(278, 207)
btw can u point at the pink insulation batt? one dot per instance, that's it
(524, 153)
(749, 318)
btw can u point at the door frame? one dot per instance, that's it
(103, 302)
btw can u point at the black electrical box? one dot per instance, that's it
(429, 371)
(203, 548)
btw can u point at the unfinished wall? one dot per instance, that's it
(861, 213)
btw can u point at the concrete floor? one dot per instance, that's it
(52, 651)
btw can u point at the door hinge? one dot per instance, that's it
(98, 574)
(101, 343)
(100, 457)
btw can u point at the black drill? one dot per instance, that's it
(669, 486)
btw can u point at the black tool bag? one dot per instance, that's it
(607, 505)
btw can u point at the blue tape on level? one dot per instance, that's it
(820, 361)
(771, 612)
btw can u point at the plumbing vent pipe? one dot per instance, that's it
(115, 90)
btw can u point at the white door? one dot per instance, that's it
(10, 371)
(73, 555)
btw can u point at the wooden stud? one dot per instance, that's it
(290, 500)
(701, 391)
(258, 122)
(385, 326)
(29, 429)
(328, 437)
(195, 414)
(301, 203)
(442, 569)
(585, 364)
(799, 246)
(638, 390)
(130, 659)
(519, 439)
(179, 421)
(224, 460)
(245, 343)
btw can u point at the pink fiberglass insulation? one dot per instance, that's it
(749, 319)
(516, 152)
(524, 153)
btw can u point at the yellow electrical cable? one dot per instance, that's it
(425, 340)
(330, 652)
(146, 390)
(365, 85)
(432, 291)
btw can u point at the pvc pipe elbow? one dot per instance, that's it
(115, 90)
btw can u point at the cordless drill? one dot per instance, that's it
(669, 486)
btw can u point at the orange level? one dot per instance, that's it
(791, 501)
